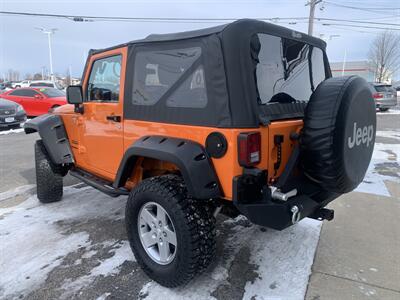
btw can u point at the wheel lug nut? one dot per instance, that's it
(164, 234)
(160, 240)
(159, 223)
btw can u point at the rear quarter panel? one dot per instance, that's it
(226, 167)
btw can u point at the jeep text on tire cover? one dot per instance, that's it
(242, 118)
(361, 136)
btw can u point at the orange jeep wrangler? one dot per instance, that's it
(242, 118)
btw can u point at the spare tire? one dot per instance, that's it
(339, 134)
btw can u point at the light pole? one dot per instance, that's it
(49, 32)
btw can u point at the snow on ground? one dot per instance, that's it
(281, 260)
(392, 111)
(9, 131)
(384, 166)
(33, 244)
(17, 191)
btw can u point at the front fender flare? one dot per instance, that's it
(190, 157)
(52, 131)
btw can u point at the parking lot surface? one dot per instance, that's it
(77, 248)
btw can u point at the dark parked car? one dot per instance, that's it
(11, 114)
(385, 96)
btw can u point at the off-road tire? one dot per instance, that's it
(49, 181)
(194, 226)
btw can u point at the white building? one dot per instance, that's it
(360, 68)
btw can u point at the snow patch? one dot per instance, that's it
(21, 190)
(32, 243)
(374, 182)
(111, 265)
(282, 257)
(10, 131)
(392, 111)
(389, 134)
(104, 296)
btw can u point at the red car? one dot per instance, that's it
(36, 101)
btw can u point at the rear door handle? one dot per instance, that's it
(114, 118)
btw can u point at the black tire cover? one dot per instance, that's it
(339, 133)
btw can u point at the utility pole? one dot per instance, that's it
(49, 32)
(312, 4)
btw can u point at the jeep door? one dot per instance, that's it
(101, 130)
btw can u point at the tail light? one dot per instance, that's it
(249, 148)
(377, 96)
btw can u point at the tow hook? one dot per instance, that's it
(278, 195)
(296, 214)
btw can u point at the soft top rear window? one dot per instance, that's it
(287, 71)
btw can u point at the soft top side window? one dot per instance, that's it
(104, 80)
(175, 75)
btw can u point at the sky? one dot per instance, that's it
(24, 48)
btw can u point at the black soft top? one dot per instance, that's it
(231, 88)
(240, 28)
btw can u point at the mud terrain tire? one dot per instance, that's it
(49, 181)
(193, 223)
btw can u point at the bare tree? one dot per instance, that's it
(37, 76)
(384, 55)
(28, 76)
(13, 75)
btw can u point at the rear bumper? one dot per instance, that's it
(18, 119)
(252, 197)
(386, 103)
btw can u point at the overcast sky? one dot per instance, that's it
(25, 49)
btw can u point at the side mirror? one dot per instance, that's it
(38, 97)
(75, 97)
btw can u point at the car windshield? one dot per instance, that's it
(52, 93)
(286, 70)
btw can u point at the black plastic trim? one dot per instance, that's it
(52, 131)
(190, 157)
(98, 183)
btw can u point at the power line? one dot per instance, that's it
(82, 18)
(360, 26)
(377, 10)
(368, 8)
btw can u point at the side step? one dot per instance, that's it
(98, 183)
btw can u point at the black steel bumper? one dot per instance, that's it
(252, 197)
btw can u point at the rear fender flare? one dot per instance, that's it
(52, 132)
(190, 157)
